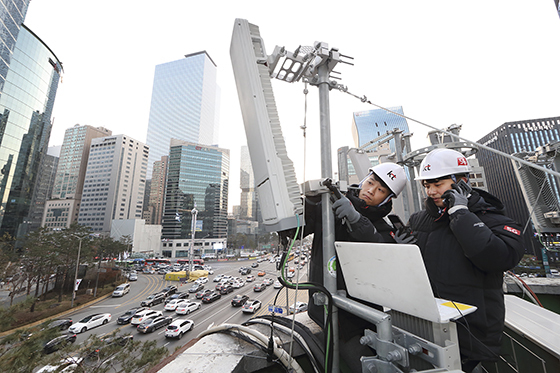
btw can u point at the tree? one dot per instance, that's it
(22, 352)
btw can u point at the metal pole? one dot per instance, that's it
(328, 218)
(194, 212)
(76, 275)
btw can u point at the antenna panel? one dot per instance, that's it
(278, 191)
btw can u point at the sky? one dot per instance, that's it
(478, 64)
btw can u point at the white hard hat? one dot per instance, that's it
(443, 162)
(392, 175)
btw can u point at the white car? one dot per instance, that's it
(172, 305)
(178, 327)
(138, 318)
(277, 284)
(184, 308)
(121, 290)
(218, 278)
(251, 306)
(65, 365)
(238, 284)
(298, 307)
(202, 280)
(90, 322)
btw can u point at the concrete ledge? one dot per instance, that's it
(539, 285)
(220, 352)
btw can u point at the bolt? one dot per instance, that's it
(365, 340)
(371, 368)
(394, 355)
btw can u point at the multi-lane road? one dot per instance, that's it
(218, 312)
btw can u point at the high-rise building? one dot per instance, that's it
(42, 191)
(510, 138)
(184, 104)
(63, 207)
(153, 211)
(28, 84)
(248, 201)
(370, 124)
(115, 182)
(197, 177)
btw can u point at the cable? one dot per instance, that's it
(301, 341)
(279, 352)
(524, 287)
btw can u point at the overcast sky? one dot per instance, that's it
(479, 63)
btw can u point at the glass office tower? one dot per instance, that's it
(184, 105)
(26, 102)
(198, 176)
(370, 124)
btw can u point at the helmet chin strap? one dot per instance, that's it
(391, 195)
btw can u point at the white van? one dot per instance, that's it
(121, 290)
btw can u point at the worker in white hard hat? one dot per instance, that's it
(467, 242)
(359, 217)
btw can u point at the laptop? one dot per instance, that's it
(394, 276)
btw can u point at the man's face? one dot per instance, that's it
(373, 192)
(435, 190)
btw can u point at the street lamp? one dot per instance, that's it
(194, 212)
(77, 266)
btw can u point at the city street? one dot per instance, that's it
(218, 312)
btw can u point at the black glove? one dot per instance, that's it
(344, 209)
(404, 235)
(458, 197)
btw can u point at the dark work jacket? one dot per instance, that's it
(465, 255)
(370, 228)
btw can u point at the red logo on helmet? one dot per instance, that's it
(427, 167)
(462, 161)
(391, 175)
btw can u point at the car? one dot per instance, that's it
(139, 317)
(226, 289)
(246, 271)
(239, 300)
(121, 290)
(209, 298)
(202, 280)
(133, 277)
(202, 293)
(298, 307)
(251, 306)
(178, 327)
(96, 350)
(261, 273)
(268, 281)
(240, 269)
(196, 287)
(61, 324)
(290, 274)
(259, 287)
(238, 284)
(184, 308)
(162, 271)
(169, 290)
(250, 278)
(277, 284)
(66, 365)
(218, 278)
(152, 324)
(148, 271)
(179, 296)
(172, 305)
(254, 265)
(152, 300)
(89, 322)
(127, 316)
(58, 343)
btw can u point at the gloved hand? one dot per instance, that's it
(458, 197)
(404, 235)
(343, 208)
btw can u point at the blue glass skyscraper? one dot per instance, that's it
(184, 105)
(370, 124)
(27, 96)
